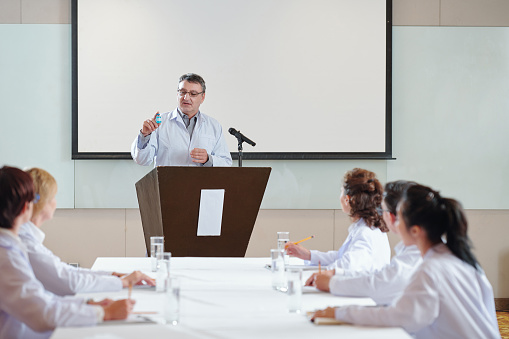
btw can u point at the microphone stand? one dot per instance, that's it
(240, 152)
(240, 139)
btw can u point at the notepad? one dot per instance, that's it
(299, 267)
(328, 321)
(302, 267)
(325, 321)
(131, 319)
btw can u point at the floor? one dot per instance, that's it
(503, 324)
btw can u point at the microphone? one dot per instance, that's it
(241, 137)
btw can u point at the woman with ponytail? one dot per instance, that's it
(367, 247)
(386, 284)
(449, 296)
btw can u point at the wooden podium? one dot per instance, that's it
(169, 200)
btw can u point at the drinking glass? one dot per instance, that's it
(163, 271)
(278, 269)
(156, 246)
(172, 301)
(294, 292)
(282, 239)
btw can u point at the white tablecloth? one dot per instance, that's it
(223, 298)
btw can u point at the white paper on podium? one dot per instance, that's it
(211, 212)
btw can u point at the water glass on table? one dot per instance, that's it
(172, 301)
(282, 239)
(163, 271)
(278, 269)
(156, 247)
(294, 290)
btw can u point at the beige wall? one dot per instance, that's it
(81, 235)
(450, 13)
(405, 12)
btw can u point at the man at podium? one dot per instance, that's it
(185, 136)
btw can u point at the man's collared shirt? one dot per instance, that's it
(171, 143)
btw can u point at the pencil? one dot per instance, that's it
(298, 242)
(130, 290)
(302, 240)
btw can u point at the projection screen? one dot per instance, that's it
(303, 79)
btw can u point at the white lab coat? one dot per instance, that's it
(28, 311)
(59, 277)
(383, 285)
(365, 249)
(171, 146)
(446, 298)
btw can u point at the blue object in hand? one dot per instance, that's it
(158, 118)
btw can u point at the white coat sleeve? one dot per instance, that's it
(63, 279)
(220, 154)
(324, 258)
(383, 285)
(358, 257)
(416, 308)
(144, 149)
(24, 298)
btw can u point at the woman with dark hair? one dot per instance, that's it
(386, 284)
(449, 296)
(366, 248)
(27, 310)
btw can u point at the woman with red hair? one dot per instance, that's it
(367, 247)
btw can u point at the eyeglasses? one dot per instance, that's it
(183, 93)
(37, 198)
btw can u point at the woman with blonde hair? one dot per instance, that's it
(367, 247)
(57, 276)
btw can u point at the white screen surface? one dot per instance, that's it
(294, 76)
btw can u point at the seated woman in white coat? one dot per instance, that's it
(367, 247)
(27, 310)
(57, 276)
(387, 283)
(449, 296)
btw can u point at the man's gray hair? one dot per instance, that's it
(195, 78)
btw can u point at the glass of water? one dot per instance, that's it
(282, 239)
(294, 292)
(172, 301)
(163, 271)
(156, 247)
(278, 269)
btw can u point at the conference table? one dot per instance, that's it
(222, 298)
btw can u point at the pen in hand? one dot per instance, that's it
(302, 240)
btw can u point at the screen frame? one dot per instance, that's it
(387, 155)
